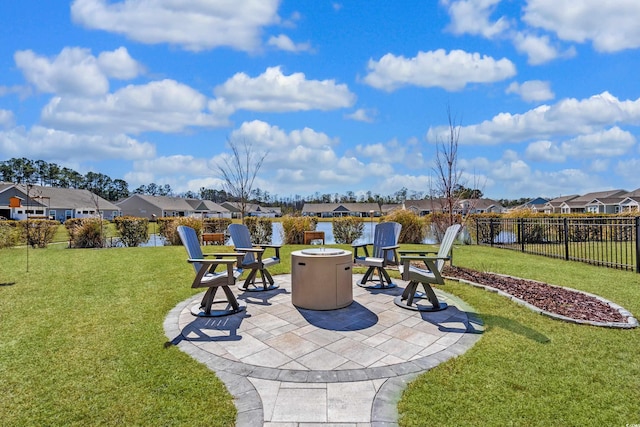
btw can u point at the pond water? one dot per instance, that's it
(278, 235)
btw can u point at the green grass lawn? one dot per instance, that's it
(82, 343)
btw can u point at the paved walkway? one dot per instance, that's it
(348, 367)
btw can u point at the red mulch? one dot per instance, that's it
(565, 302)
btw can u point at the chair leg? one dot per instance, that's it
(231, 298)
(431, 296)
(386, 275)
(251, 278)
(366, 276)
(207, 300)
(409, 295)
(250, 285)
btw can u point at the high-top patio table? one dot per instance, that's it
(321, 278)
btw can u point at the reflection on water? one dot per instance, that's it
(278, 235)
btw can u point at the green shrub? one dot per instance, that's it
(168, 227)
(261, 229)
(413, 226)
(216, 225)
(293, 228)
(347, 229)
(86, 232)
(133, 230)
(38, 232)
(9, 234)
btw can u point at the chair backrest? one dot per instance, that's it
(447, 243)
(242, 239)
(190, 241)
(386, 234)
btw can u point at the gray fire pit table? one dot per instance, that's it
(321, 278)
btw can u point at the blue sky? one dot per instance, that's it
(343, 96)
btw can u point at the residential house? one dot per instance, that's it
(555, 205)
(479, 206)
(252, 209)
(331, 210)
(19, 201)
(597, 202)
(631, 201)
(146, 206)
(534, 205)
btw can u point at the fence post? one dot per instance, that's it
(491, 230)
(637, 244)
(521, 233)
(566, 239)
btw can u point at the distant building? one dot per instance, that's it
(145, 206)
(19, 201)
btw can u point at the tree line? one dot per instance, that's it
(40, 172)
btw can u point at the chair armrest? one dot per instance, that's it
(360, 245)
(422, 258)
(249, 249)
(276, 247)
(387, 248)
(211, 261)
(365, 246)
(416, 251)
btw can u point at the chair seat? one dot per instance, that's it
(268, 262)
(370, 261)
(210, 277)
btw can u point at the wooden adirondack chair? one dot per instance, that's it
(432, 274)
(254, 259)
(385, 243)
(207, 277)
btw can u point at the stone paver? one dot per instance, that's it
(295, 367)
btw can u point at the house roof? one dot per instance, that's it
(559, 200)
(166, 203)
(340, 207)
(589, 197)
(206, 205)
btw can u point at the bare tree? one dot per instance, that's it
(446, 168)
(448, 183)
(239, 172)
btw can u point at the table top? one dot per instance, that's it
(321, 252)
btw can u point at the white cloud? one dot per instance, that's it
(273, 91)
(6, 118)
(538, 48)
(610, 26)
(163, 106)
(473, 17)
(532, 90)
(119, 64)
(609, 143)
(363, 115)
(46, 143)
(306, 157)
(193, 25)
(451, 71)
(283, 42)
(76, 71)
(544, 151)
(567, 117)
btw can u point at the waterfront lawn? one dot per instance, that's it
(82, 343)
(529, 369)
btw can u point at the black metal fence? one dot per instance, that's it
(611, 242)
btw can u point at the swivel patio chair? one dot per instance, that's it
(254, 259)
(207, 277)
(385, 243)
(410, 298)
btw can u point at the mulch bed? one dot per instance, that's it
(557, 300)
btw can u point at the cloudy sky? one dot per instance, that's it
(343, 96)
